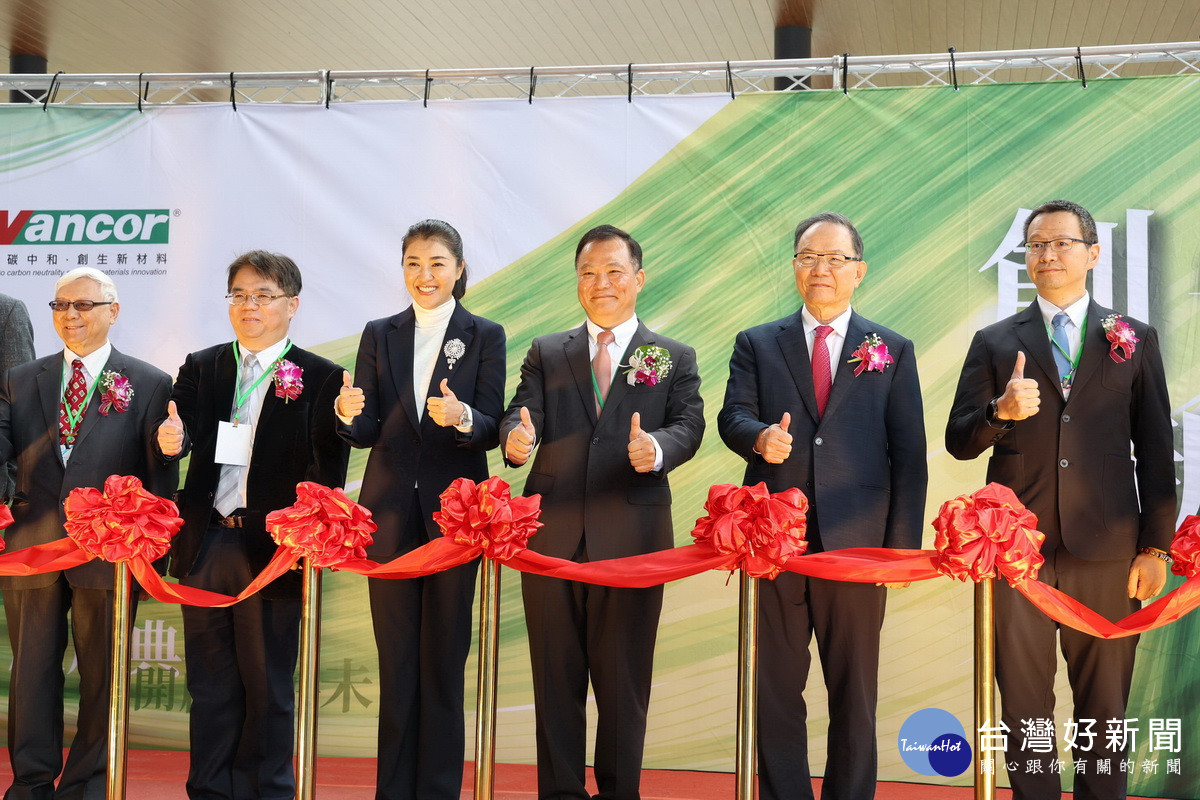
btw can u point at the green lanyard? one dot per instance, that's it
(75, 417)
(1070, 379)
(241, 396)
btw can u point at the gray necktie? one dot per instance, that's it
(1061, 348)
(230, 482)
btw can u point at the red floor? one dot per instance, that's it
(160, 775)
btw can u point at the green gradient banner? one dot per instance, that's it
(938, 182)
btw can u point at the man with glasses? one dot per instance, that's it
(827, 401)
(1062, 392)
(256, 414)
(70, 420)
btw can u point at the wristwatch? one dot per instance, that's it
(989, 414)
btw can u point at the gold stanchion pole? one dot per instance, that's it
(310, 664)
(118, 699)
(985, 681)
(746, 755)
(485, 701)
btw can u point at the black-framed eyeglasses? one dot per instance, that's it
(834, 260)
(240, 299)
(1057, 245)
(82, 306)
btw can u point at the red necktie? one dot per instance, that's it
(76, 389)
(602, 366)
(822, 377)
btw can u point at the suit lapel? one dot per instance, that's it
(1095, 347)
(620, 386)
(462, 328)
(400, 359)
(843, 370)
(1031, 330)
(575, 348)
(794, 346)
(49, 384)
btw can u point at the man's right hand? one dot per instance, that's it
(519, 443)
(1021, 397)
(170, 432)
(774, 444)
(350, 400)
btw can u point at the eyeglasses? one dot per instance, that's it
(240, 299)
(82, 306)
(834, 260)
(1057, 245)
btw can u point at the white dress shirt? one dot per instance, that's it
(833, 342)
(93, 364)
(622, 335)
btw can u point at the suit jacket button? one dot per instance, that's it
(1064, 463)
(808, 484)
(1066, 417)
(596, 440)
(818, 441)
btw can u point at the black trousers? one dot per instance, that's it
(423, 634)
(846, 619)
(240, 662)
(37, 631)
(577, 630)
(1100, 672)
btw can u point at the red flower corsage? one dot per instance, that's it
(872, 354)
(1120, 336)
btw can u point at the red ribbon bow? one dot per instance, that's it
(1185, 548)
(487, 516)
(987, 533)
(123, 522)
(323, 525)
(759, 529)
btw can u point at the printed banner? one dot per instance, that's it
(938, 182)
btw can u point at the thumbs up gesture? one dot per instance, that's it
(350, 400)
(641, 446)
(170, 432)
(445, 410)
(774, 443)
(1021, 397)
(519, 443)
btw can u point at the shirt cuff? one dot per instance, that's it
(658, 454)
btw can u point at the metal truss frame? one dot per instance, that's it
(839, 73)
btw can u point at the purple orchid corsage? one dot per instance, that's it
(288, 379)
(116, 392)
(871, 355)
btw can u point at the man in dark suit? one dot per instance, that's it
(859, 456)
(16, 347)
(1107, 520)
(606, 433)
(69, 421)
(256, 415)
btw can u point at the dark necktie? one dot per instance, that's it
(72, 399)
(822, 376)
(602, 366)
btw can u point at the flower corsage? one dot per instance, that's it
(115, 392)
(288, 380)
(1122, 341)
(649, 364)
(872, 354)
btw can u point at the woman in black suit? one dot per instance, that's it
(428, 392)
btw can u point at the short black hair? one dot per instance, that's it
(837, 219)
(443, 232)
(602, 233)
(272, 266)
(1086, 223)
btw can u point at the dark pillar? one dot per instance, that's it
(23, 64)
(792, 41)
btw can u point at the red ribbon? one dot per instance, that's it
(758, 531)
(988, 534)
(488, 518)
(122, 523)
(323, 525)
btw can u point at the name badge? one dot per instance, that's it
(234, 443)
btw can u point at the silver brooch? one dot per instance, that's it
(453, 351)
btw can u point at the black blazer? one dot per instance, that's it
(863, 465)
(1070, 462)
(405, 453)
(296, 441)
(119, 443)
(581, 467)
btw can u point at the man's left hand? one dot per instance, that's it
(641, 446)
(1147, 576)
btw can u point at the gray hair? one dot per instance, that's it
(108, 289)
